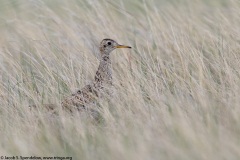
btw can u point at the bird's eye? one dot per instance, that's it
(109, 43)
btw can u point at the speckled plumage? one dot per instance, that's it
(102, 83)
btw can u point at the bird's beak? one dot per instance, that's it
(122, 46)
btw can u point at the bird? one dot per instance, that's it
(101, 85)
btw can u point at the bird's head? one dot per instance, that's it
(108, 45)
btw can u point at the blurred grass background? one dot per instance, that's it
(177, 90)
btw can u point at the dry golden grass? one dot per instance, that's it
(177, 91)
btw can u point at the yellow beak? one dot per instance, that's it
(122, 46)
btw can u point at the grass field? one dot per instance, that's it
(177, 91)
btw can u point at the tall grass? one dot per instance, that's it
(176, 91)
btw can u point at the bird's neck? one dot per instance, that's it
(104, 72)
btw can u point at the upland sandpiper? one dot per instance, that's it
(102, 83)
